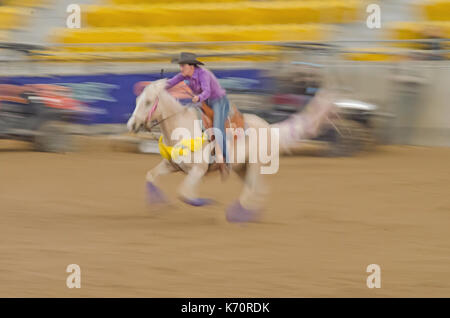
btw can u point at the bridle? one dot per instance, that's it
(155, 105)
(152, 110)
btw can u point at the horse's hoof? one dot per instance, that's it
(154, 194)
(236, 213)
(197, 201)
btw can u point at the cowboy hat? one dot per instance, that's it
(186, 58)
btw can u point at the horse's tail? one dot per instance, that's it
(306, 124)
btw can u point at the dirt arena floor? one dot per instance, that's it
(326, 220)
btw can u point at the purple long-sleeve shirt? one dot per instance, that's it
(203, 83)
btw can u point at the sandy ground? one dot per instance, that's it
(325, 221)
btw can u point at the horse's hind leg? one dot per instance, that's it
(154, 194)
(188, 189)
(247, 208)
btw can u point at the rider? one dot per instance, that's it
(207, 89)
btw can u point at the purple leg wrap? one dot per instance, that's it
(154, 194)
(236, 213)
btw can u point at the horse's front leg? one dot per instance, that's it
(188, 189)
(154, 194)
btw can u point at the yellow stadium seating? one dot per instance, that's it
(25, 3)
(138, 22)
(141, 2)
(436, 10)
(418, 30)
(232, 13)
(267, 32)
(136, 39)
(11, 17)
(68, 56)
(380, 54)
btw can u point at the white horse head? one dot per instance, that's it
(147, 100)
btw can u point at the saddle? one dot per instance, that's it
(235, 118)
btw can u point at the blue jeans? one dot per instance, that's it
(221, 107)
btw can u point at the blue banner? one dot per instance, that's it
(113, 98)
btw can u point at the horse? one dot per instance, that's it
(156, 105)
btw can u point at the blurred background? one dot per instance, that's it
(68, 92)
(271, 56)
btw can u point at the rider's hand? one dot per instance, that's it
(195, 99)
